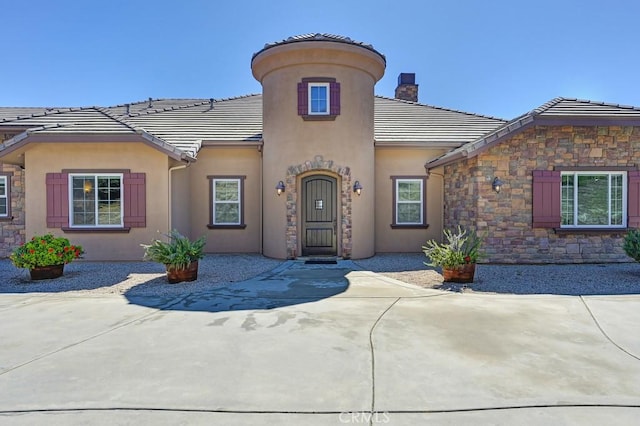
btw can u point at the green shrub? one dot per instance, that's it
(632, 244)
(45, 250)
(460, 248)
(177, 253)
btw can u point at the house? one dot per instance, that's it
(318, 165)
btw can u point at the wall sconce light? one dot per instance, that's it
(357, 188)
(87, 186)
(280, 188)
(497, 184)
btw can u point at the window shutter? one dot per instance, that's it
(135, 200)
(334, 96)
(57, 200)
(546, 199)
(303, 98)
(633, 199)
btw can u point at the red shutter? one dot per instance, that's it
(135, 200)
(633, 199)
(303, 98)
(334, 90)
(57, 200)
(546, 199)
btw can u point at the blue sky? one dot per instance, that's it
(498, 57)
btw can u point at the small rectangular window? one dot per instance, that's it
(409, 202)
(96, 200)
(4, 196)
(319, 99)
(227, 201)
(593, 199)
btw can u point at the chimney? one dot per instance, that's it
(407, 89)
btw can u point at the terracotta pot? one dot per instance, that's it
(190, 273)
(459, 274)
(46, 272)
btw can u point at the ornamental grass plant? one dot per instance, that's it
(177, 253)
(45, 250)
(460, 248)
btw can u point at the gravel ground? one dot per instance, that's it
(565, 279)
(136, 278)
(148, 278)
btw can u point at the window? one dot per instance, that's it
(318, 98)
(593, 199)
(5, 200)
(227, 201)
(96, 200)
(409, 208)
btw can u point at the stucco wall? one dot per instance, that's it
(342, 148)
(41, 159)
(507, 217)
(406, 162)
(180, 198)
(242, 161)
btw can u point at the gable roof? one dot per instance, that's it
(180, 127)
(187, 124)
(558, 111)
(79, 124)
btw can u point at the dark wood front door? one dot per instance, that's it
(319, 216)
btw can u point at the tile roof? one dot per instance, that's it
(69, 120)
(571, 107)
(557, 111)
(318, 37)
(181, 126)
(399, 122)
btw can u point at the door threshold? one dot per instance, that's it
(320, 260)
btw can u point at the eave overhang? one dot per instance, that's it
(520, 124)
(40, 135)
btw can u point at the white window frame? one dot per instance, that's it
(5, 181)
(309, 106)
(398, 202)
(96, 176)
(215, 202)
(575, 174)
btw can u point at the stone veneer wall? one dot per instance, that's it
(12, 231)
(506, 218)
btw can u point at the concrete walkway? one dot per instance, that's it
(319, 345)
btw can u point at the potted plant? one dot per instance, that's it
(179, 255)
(457, 256)
(45, 256)
(632, 244)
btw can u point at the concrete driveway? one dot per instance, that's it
(319, 345)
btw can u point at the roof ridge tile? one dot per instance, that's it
(47, 112)
(105, 111)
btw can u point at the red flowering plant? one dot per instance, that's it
(45, 250)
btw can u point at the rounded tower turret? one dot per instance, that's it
(318, 133)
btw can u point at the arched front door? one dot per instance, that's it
(319, 216)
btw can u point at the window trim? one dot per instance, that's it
(6, 176)
(211, 224)
(423, 213)
(589, 172)
(107, 227)
(310, 87)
